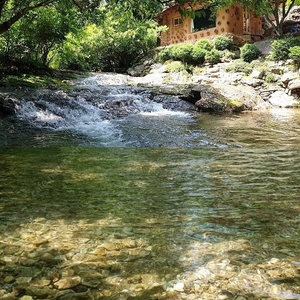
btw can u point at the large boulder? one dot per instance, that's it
(8, 105)
(228, 98)
(292, 21)
(281, 99)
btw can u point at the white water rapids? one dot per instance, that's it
(105, 110)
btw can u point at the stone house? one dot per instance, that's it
(207, 23)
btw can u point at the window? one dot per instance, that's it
(177, 21)
(204, 19)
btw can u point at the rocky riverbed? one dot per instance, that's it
(44, 259)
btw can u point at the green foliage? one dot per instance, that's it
(204, 44)
(182, 52)
(229, 55)
(239, 66)
(249, 52)
(175, 67)
(36, 38)
(198, 56)
(222, 43)
(213, 56)
(270, 78)
(189, 53)
(113, 46)
(295, 53)
(281, 48)
(164, 55)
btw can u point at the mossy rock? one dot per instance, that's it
(227, 98)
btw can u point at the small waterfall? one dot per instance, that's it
(95, 107)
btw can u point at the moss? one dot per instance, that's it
(234, 103)
(35, 81)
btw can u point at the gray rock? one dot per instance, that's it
(294, 86)
(252, 82)
(257, 74)
(281, 99)
(287, 78)
(228, 98)
(8, 105)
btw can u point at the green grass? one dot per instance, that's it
(58, 79)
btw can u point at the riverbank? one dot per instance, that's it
(229, 86)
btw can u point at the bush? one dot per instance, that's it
(164, 55)
(249, 52)
(198, 56)
(213, 56)
(182, 52)
(239, 66)
(222, 43)
(281, 48)
(270, 78)
(175, 67)
(204, 44)
(295, 53)
(229, 55)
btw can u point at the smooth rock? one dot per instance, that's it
(294, 86)
(43, 291)
(281, 99)
(68, 282)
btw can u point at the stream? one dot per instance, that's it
(109, 191)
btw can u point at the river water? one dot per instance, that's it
(155, 204)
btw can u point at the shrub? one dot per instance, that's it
(281, 48)
(175, 67)
(295, 55)
(213, 56)
(222, 43)
(240, 66)
(249, 52)
(204, 44)
(182, 52)
(164, 55)
(270, 78)
(229, 55)
(198, 56)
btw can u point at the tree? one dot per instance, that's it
(11, 11)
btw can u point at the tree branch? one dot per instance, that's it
(7, 24)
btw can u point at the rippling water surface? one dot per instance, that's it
(166, 197)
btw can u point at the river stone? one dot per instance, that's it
(294, 86)
(37, 291)
(228, 98)
(257, 74)
(281, 99)
(68, 282)
(8, 105)
(23, 281)
(253, 82)
(286, 78)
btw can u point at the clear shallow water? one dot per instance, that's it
(191, 193)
